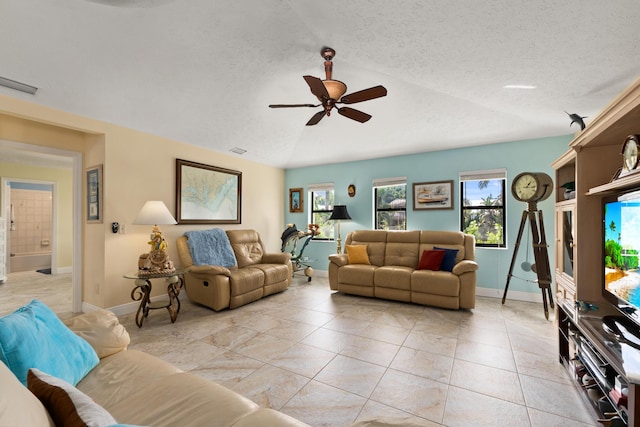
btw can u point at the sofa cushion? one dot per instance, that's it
(435, 283)
(273, 273)
(395, 277)
(449, 260)
(431, 259)
(376, 241)
(102, 330)
(188, 401)
(18, 406)
(247, 246)
(122, 374)
(243, 280)
(357, 254)
(67, 405)
(34, 337)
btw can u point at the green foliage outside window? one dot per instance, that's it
(483, 211)
(391, 207)
(322, 206)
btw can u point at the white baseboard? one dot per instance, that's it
(61, 270)
(123, 309)
(513, 295)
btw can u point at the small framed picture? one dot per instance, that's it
(296, 202)
(433, 195)
(94, 194)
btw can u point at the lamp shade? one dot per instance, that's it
(339, 212)
(154, 212)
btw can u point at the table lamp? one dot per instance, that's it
(339, 213)
(156, 261)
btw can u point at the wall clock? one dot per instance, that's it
(531, 186)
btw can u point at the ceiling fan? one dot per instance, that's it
(331, 92)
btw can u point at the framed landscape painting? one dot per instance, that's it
(207, 194)
(433, 195)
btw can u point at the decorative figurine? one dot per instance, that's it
(576, 118)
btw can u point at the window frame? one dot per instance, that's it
(313, 190)
(383, 183)
(478, 176)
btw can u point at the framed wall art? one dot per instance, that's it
(94, 194)
(207, 194)
(296, 201)
(433, 195)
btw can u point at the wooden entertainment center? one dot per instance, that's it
(591, 163)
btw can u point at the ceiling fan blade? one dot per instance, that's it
(364, 95)
(316, 118)
(354, 114)
(293, 105)
(316, 86)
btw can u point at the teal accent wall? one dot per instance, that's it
(535, 155)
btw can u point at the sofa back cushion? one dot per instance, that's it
(247, 245)
(376, 241)
(402, 248)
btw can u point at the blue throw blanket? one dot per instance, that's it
(210, 247)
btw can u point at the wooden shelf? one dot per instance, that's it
(626, 182)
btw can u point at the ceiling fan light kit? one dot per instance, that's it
(331, 92)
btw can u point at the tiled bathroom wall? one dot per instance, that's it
(31, 228)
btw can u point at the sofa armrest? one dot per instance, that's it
(339, 259)
(102, 330)
(276, 258)
(464, 266)
(209, 269)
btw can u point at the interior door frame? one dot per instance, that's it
(76, 158)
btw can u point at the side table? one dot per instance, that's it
(142, 292)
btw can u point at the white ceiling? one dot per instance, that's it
(204, 71)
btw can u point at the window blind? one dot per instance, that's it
(327, 186)
(388, 182)
(483, 175)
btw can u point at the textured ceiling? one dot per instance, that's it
(204, 71)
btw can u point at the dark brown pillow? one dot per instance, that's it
(67, 405)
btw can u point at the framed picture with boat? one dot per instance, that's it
(432, 195)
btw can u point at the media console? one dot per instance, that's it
(601, 365)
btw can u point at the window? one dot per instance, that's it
(482, 204)
(390, 198)
(321, 196)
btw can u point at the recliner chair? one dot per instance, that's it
(256, 275)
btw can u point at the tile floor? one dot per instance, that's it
(331, 359)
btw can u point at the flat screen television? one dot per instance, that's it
(621, 250)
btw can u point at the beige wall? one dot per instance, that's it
(137, 167)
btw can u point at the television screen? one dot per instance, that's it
(621, 222)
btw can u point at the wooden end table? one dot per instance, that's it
(142, 292)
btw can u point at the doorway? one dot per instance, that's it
(31, 244)
(28, 155)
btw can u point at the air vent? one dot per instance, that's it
(238, 150)
(22, 87)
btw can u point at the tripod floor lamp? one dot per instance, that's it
(339, 213)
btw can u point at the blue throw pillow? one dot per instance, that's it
(34, 337)
(449, 259)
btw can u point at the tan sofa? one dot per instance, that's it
(256, 275)
(392, 274)
(137, 388)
